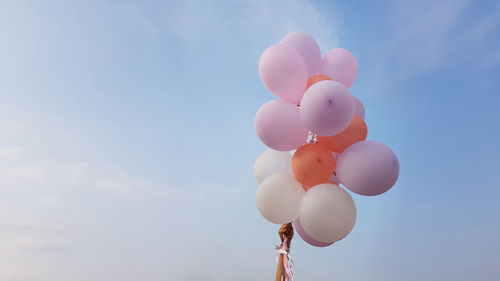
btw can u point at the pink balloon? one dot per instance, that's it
(359, 109)
(340, 65)
(368, 168)
(335, 154)
(327, 108)
(334, 179)
(307, 47)
(279, 126)
(284, 72)
(308, 239)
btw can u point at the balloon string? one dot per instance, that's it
(312, 138)
(288, 274)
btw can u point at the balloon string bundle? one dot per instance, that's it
(284, 270)
(312, 138)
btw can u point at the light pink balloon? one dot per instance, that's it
(368, 168)
(359, 109)
(284, 72)
(308, 239)
(307, 47)
(334, 179)
(279, 125)
(340, 65)
(327, 108)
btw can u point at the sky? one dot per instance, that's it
(127, 140)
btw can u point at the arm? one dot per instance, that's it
(286, 230)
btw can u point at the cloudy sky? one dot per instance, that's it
(127, 139)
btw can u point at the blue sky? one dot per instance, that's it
(127, 139)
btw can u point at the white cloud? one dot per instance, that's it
(488, 24)
(34, 226)
(424, 33)
(10, 152)
(430, 37)
(82, 216)
(50, 200)
(260, 20)
(31, 161)
(435, 35)
(65, 213)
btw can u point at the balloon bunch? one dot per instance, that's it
(317, 118)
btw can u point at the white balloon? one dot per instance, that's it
(327, 213)
(279, 197)
(359, 109)
(271, 162)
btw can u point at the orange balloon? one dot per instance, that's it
(312, 164)
(307, 187)
(356, 131)
(315, 79)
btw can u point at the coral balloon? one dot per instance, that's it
(283, 72)
(327, 108)
(340, 65)
(327, 213)
(270, 162)
(334, 179)
(312, 164)
(307, 47)
(368, 168)
(278, 198)
(315, 79)
(308, 239)
(356, 131)
(359, 109)
(279, 126)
